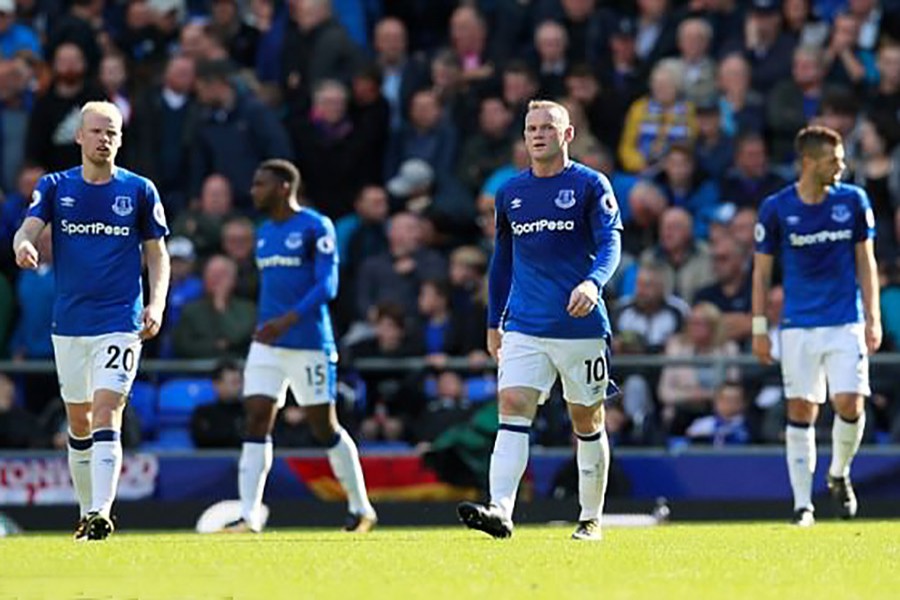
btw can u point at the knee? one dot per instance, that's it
(514, 403)
(801, 411)
(80, 423)
(588, 420)
(849, 407)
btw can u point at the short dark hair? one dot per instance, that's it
(215, 70)
(222, 367)
(284, 170)
(391, 311)
(441, 286)
(813, 139)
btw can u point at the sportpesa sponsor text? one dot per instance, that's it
(542, 225)
(820, 237)
(95, 228)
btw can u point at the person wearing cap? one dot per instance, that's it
(765, 45)
(15, 37)
(715, 147)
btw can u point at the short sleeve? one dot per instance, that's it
(153, 216)
(604, 212)
(864, 224)
(767, 232)
(42, 199)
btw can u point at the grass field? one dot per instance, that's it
(761, 560)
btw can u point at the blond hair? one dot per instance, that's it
(559, 112)
(102, 108)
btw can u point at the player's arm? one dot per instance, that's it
(762, 280)
(499, 278)
(24, 242)
(867, 273)
(158, 273)
(606, 224)
(322, 291)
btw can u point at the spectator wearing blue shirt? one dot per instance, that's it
(727, 426)
(685, 186)
(15, 37)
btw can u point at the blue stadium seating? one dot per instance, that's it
(179, 397)
(143, 402)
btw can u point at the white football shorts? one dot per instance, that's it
(312, 374)
(86, 364)
(810, 357)
(534, 362)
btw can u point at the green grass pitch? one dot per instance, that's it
(759, 560)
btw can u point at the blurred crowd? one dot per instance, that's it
(404, 117)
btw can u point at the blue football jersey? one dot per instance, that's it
(298, 266)
(97, 235)
(553, 233)
(817, 245)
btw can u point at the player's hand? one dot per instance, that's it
(873, 336)
(152, 320)
(762, 349)
(583, 299)
(273, 329)
(27, 255)
(494, 340)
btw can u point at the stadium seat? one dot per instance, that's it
(481, 389)
(143, 402)
(179, 397)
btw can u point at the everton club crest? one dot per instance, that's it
(565, 199)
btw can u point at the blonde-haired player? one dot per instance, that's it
(103, 219)
(558, 241)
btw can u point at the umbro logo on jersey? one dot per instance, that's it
(792, 219)
(565, 199)
(123, 206)
(516, 203)
(67, 201)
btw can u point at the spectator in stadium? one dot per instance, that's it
(18, 427)
(583, 24)
(412, 188)
(446, 407)
(316, 47)
(793, 102)
(873, 173)
(162, 132)
(460, 107)
(468, 40)
(845, 63)
(220, 423)
(402, 74)
(445, 332)
(330, 151)
(394, 276)
(218, 324)
(489, 148)
(728, 425)
(16, 102)
(203, 223)
(519, 85)
(12, 212)
(550, 63)
(605, 111)
(751, 179)
(184, 287)
(621, 77)
(730, 292)
(585, 147)
(715, 148)
(114, 82)
(656, 121)
(802, 25)
(644, 322)
(687, 391)
(742, 226)
(686, 259)
(686, 186)
(36, 292)
(743, 108)
(390, 395)
(239, 244)
(51, 131)
(839, 110)
(370, 113)
(646, 204)
(241, 39)
(16, 37)
(144, 37)
(428, 136)
(656, 33)
(883, 99)
(695, 36)
(765, 45)
(79, 26)
(235, 133)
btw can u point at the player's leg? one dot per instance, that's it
(74, 377)
(114, 359)
(256, 458)
(847, 365)
(584, 371)
(344, 459)
(803, 372)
